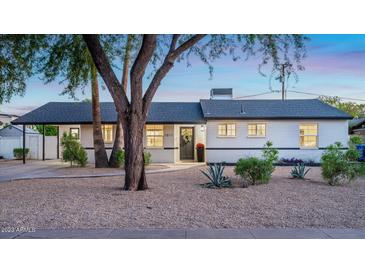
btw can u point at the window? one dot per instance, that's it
(107, 133)
(256, 130)
(75, 133)
(228, 130)
(308, 135)
(154, 135)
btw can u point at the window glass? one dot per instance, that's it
(231, 129)
(227, 130)
(75, 133)
(222, 130)
(107, 133)
(308, 135)
(257, 130)
(154, 135)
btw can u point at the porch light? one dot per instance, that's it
(202, 128)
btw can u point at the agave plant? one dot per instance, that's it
(299, 171)
(216, 177)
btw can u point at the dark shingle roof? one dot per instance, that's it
(270, 109)
(356, 122)
(80, 113)
(12, 130)
(161, 112)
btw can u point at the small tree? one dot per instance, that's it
(73, 151)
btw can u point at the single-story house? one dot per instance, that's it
(11, 137)
(6, 118)
(229, 129)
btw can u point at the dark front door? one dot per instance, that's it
(186, 143)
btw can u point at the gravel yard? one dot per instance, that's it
(175, 200)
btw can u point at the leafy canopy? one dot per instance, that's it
(354, 109)
(66, 59)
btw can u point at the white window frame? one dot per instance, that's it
(226, 130)
(154, 136)
(256, 136)
(317, 136)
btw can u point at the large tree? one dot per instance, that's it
(354, 109)
(169, 49)
(67, 58)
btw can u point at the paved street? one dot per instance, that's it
(274, 233)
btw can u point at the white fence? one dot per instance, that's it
(33, 142)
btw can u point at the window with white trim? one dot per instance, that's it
(154, 135)
(308, 135)
(256, 130)
(107, 133)
(227, 130)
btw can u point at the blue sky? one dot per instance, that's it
(335, 65)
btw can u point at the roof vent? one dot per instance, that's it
(242, 110)
(221, 93)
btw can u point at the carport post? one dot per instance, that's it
(23, 144)
(44, 144)
(58, 142)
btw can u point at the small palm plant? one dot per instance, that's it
(299, 171)
(216, 177)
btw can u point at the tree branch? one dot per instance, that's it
(104, 68)
(168, 63)
(138, 69)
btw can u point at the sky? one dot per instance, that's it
(335, 66)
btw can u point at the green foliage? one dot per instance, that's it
(354, 109)
(120, 158)
(356, 140)
(269, 153)
(338, 166)
(216, 177)
(18, 55)
(50, 130)
(18, 152)
(255, 170)
(147, 158)
(73, 152)
(299, 171)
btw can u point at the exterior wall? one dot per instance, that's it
(170, 152)
(33, 142)
(283, 133)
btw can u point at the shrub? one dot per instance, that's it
(73, 151)
(294, 161)
(216, 177)
(338, 166)
(299, 171)
(120, 158)
(18, 152)
(147, 158)
(356, 140)
(255, 170)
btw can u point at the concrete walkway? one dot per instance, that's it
(56, 169)
(269, 233)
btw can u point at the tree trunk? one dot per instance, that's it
(101, 158)
(118, 144)
(119, 130)
(135, 177)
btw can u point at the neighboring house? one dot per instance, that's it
(229, 129)
(357, 127)
(12, 137)
(5, 119)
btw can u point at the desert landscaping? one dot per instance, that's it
(177, 200)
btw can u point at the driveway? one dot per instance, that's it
(16, 170)
(10, 170)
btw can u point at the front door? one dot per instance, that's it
(187, 143)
